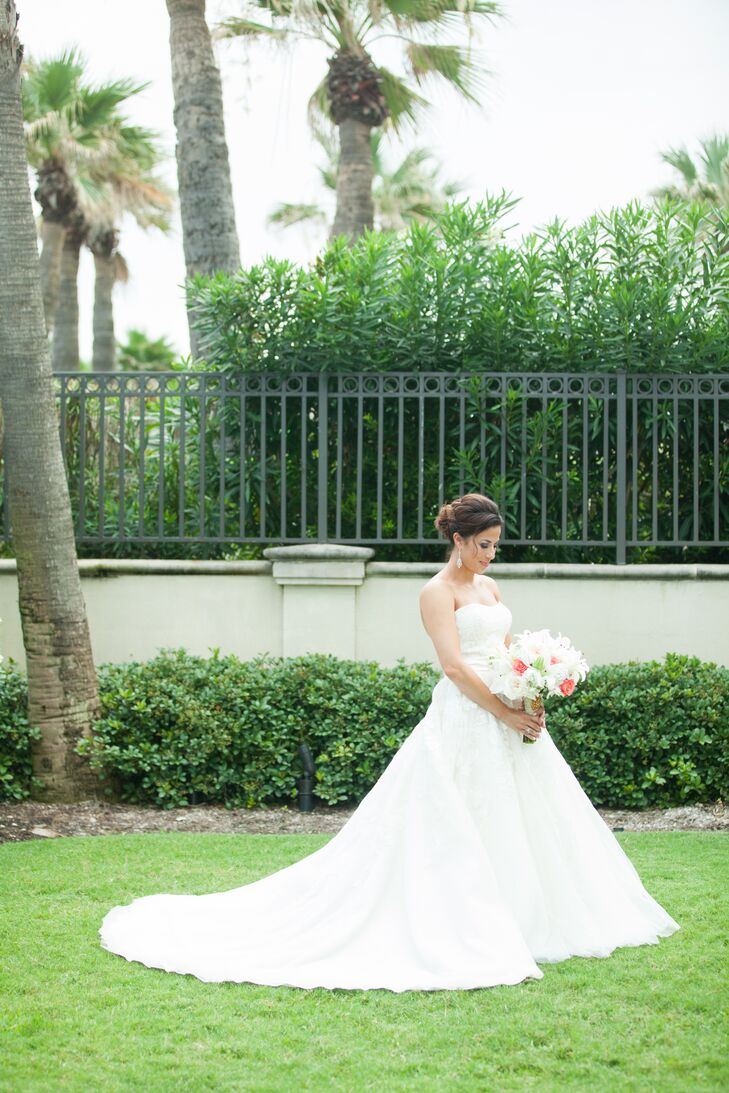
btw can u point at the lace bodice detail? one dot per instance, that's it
(480, 625)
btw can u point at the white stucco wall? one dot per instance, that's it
(612, 613)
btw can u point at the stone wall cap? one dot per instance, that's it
(155, 567)
(318, 552)
(681, 571)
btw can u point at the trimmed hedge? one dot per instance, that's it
(227, 730)
(648, 735)
(180, 728)
(16, 774)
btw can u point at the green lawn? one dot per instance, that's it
(74, 1017)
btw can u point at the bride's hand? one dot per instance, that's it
(526, 724)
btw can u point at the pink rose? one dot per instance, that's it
(567, 687)
(520, 666)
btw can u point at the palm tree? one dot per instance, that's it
(358, 95)
(209, 235)
(68, 125)
(410, 192)
(709, 181)
(64, 346)
(62, 690)
(128, 185)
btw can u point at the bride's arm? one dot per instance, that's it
(437, 611)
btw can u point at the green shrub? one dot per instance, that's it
(16, 774)
(640, 288)
(644, 735)
(225, 730)
(228, 730)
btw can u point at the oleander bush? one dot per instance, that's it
(181, 728)
(16, 775)
(636, 288)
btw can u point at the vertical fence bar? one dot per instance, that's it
(358, 502)
(523, 465)
(304, 425)
(242, 462)
(161, 484)
(323, 475)
(502, 441)
(203, 417)
(695, 468)
(262, 465)
(441, 445)
(400, 456)
(421, 457)
(221, 461)
(282, 457)
(543, 498)
(181, 462)
(634, 401)
(102, 457)
(717, 414)
(605, 461)
(585, 459)
(676, 441)
(122, 468)
(565, 479)
(82, 463)
(621, 468)
(340, 461)
(380, 459)
(142, 440)
(654, 499)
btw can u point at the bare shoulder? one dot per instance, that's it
(437, 595)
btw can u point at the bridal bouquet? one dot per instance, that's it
(536, 664)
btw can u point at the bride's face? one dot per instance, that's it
(478, 551)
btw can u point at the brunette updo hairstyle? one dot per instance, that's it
(468, 515)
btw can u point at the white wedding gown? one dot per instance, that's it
(474, 858)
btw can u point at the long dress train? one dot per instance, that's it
(472, 860)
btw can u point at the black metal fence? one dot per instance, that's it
(586, 460)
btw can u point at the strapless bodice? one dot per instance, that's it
(479, 626)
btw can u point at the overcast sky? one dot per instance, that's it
(582, 98)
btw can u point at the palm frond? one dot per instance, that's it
(715, 153)
(402, 102)
(51, 85)
(286, 214)
(681, 160)
(318, 111)
(450, 63)
(247, 28)
(439, 12)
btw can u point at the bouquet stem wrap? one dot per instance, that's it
(536, 706)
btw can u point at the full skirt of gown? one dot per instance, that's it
(472, 860)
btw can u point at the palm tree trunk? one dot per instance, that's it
(355, 207)
(62, 692)
(209, 234)
(52, 236)
(104, 357)
(65, 327)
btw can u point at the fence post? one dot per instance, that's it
(621, 456)
(323, 475)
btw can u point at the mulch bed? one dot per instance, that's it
(35, 820)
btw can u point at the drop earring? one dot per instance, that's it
(459, 563)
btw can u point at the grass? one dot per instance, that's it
(74, 1017)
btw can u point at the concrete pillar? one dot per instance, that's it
(319, 582)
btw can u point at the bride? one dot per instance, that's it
(473, 859)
